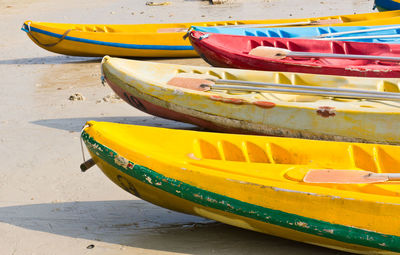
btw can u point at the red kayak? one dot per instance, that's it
(250, 52)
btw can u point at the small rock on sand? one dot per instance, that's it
(218, 1)
(157, 4)
(112, 98)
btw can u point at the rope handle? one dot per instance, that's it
(86, 163)
(81, 140)
(49, 44)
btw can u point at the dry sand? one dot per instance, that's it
(47, 206)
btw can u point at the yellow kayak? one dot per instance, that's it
(257, 183)
(183, 93)
(161, 40)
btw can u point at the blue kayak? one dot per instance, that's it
(375, 34)
(387, 5)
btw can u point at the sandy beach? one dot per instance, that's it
(47, 206)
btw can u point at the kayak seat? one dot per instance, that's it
(321, 31)
(284, 34)
(294, 46)
(251, 44)
(266, 43)
(386, 86)
(261, 33)
(279, 44)
(272, 34)
(336, 48)
(246, 151)
(375, 159)
(248, 33)
(104, 29)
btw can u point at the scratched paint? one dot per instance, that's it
(326, 111)
(216, 201)
(227, 99)
(265, 104)
(215, 108)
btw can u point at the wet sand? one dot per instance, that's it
(47, 206)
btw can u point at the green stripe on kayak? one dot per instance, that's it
(213, 200)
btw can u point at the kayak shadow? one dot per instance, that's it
(50, 60)
(136, 223)
(61, 59)
(76, 124)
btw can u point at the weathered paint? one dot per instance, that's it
(189, 83)
(227, 99)
(347, 234)
(156, 110)
(326, 111)
(292, 115)
(264, 104)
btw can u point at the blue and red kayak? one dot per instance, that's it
(374, 34)
(246, 52)
(387, 5)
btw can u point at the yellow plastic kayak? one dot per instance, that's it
(181, 93)
(160, 40)
(256, 182)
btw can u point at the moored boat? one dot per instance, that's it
(303, 105)
(372, 34)
(160, 40)
(257, 183)
(258, 53)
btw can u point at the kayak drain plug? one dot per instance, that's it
(87, 164)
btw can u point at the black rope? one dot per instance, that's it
(49, 44)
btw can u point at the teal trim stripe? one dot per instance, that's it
(119, 45)
(213, 200)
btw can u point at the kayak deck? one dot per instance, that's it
(152, 87)
(179, 173)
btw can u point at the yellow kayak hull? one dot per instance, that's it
(147, 87)
(256, 183)
(155, 40)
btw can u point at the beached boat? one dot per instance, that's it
(264, 53)
(372, 34)
(258, 183)
(160, 40)
(326, 111)
(387, 5)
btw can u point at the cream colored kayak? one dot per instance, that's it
(162, 40)
(174, 92)
(257, 183)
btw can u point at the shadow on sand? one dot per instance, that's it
(136, 223)
(50, 60)
(64, 59)
(76, 124)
